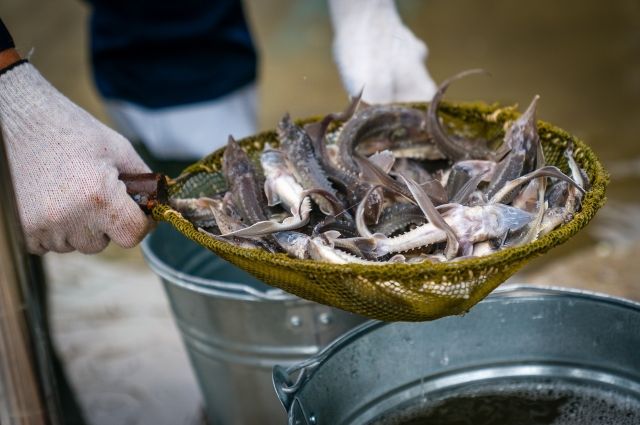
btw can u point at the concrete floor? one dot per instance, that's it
(111, 321)
(114, 330)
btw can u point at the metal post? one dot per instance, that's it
(21, 394)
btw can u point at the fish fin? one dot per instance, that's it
(316, 131)
(383, 160)
(503, 240)
(540, 160)
(335, 203)
(444, 208)
(366, 246)
(398, 258)
(551, 171)
(361, 103)
(360, 213)
(332, 234)
(434, 217)
(437, 193)
(466, 248)
(373, 174)
(272, 195)
(292, 220)
(501, 152)
(546, 171)
(352, 107)
(524, 127)
(363, 247)
(221, 238)
(267, 227)
(514, 218)
(303, 209)
(468, 188)
(443, 141)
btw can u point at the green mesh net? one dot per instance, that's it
(395, 292)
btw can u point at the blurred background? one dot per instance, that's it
(111, 321)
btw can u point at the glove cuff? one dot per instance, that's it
(13, 65)
(16, 78)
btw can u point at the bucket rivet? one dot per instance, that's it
(312, 419)
(295, 321)
(325, 318)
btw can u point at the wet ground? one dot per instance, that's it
(111, 321)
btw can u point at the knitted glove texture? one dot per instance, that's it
(65, 166)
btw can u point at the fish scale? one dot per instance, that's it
(522, 139)
(472, 224)
(298, 148)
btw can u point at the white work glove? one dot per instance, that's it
(374, 50)
(65, 166)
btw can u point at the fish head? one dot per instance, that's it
(287, 131)
(235, 161)
(523, 133)
(488, 221)
(295, 243)
(558, 194)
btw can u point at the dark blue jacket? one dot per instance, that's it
(170, 52)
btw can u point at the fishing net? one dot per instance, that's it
(395, 292)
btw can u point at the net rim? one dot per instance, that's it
(592, 201)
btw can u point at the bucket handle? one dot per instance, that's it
(282, 377)
(286, 388)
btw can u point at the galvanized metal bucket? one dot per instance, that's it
(236, 328)
(525, 356)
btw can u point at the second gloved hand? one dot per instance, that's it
(65, 166)
(374, 50)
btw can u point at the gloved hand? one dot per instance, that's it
(374, 50)
(65, 166)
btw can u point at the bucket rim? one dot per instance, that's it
(305, 370)
(514, 290)
(235, 291)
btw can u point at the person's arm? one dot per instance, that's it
(64, 165)
(376, 52)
